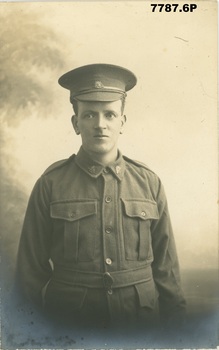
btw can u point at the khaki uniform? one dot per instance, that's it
(108, 235)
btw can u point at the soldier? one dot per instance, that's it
(97, 245)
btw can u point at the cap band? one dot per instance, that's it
(105, 90)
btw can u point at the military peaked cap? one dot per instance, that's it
(98, 82)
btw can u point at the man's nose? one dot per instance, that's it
(100, 121)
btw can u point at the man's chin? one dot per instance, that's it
(98, 150)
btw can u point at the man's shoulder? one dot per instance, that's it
(139, 165)
(59, 164)
(143, 175)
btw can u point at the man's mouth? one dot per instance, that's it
(100, 136)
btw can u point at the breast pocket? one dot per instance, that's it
(78, 222)
(137, 218)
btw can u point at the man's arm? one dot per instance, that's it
(33, 267)
(166, 267)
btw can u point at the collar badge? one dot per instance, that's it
(92, 169)
(118, 169)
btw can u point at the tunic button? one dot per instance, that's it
(143, 213)
(108, 261)
(108, 229)
(110, 292)
(108, 199)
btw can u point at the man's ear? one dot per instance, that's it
(74, 121)
(123, 121)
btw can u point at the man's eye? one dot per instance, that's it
(110, 115)
(89, 116)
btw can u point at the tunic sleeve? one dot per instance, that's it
(166, 267)
(33, 267)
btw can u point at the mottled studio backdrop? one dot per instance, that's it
(172, 121)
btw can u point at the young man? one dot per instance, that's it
(97, 245)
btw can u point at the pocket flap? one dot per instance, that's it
(147, 294)
(143, 209)
(73, 210)
(73, 300)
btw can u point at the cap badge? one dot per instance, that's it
(98, 84)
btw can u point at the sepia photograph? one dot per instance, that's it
(109, 175)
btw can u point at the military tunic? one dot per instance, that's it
(98, 242)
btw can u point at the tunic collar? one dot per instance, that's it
(95, 169)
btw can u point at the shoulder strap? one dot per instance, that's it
(137, 163)
(58, 164)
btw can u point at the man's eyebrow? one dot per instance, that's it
(110, 111)
(104, 111)
(89, 111)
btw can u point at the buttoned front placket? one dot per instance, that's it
(110, 239)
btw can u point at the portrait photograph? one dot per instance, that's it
(109, 174)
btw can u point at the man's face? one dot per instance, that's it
(99, 124)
